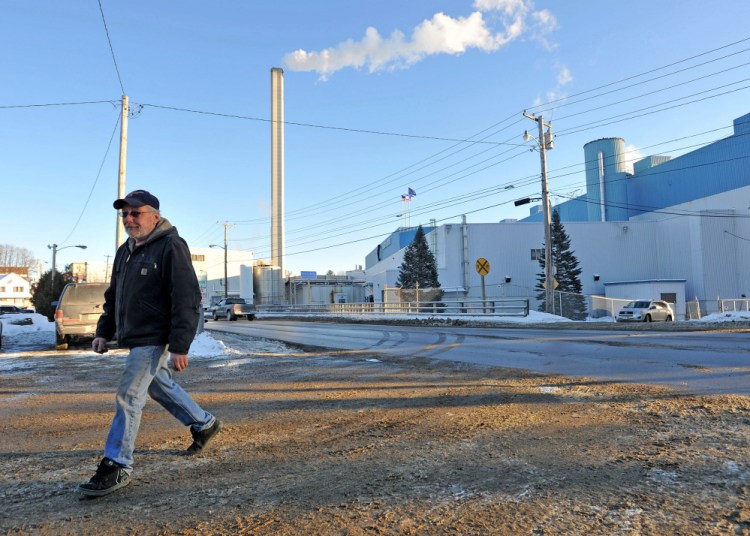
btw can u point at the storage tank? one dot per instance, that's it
(606, 176)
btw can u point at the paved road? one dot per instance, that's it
(702, 362)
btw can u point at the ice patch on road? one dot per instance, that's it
(662, 476)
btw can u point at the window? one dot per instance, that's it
(17, 289)
(197, 258)
(537, 254)
(2, 289)
(669, 297)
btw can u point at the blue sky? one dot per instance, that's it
(380, 97)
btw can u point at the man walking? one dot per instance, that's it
(153, 305)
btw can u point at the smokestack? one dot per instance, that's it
(277, 175)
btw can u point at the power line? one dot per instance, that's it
(112, 50)
(673, 86)
(622, 117)
(633, 77)
(327, 127)
(502, 188)
(11, 106)
(499, 189)
(96, 180)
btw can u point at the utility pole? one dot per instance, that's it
(545, 143)
(123, 157)
(106, 269)
(53, 247)
(226, 279)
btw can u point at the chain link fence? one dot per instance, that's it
(696, 309)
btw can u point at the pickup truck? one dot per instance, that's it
(233, 308)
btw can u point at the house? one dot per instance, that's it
(14, 290)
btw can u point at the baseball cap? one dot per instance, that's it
(137, 198)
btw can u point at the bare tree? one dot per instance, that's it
(15, 256)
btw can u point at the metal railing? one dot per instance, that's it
(447, 308)
(598, 307)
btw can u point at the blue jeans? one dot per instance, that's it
(145, 372)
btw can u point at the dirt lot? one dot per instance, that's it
(346, 443)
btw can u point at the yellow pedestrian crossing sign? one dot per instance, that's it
(483, 266)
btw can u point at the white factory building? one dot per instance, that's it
(692, 243)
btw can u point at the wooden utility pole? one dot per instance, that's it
(123, 157)
(226, 279)
(545, 144)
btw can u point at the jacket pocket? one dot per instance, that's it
(150, 309)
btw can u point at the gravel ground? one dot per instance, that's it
(319, 442)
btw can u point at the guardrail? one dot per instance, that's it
(452, 308)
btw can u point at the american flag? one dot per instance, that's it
(409, 195)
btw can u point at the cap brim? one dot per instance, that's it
(119, 203)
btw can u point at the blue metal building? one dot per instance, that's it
(657, 182)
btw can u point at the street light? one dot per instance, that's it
(224, 247)
(544, 142)
(55, 249)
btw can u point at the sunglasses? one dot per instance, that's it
(135, 213)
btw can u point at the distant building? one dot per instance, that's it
(15, 290)
(309, 288)
(209, 268)
(90, 272)
(658, 182)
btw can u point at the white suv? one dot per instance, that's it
(646, 311)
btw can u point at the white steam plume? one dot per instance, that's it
(441, 34)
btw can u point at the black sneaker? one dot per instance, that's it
(201, 439)
(110, 476)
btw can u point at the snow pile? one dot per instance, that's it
(33, 329)
(729, 316)
(204, 345)
(27, 329)
(17, 323)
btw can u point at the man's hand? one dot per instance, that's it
(179, 361)
(99, 345)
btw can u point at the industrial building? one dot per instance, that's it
(674, 228)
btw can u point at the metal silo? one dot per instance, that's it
(606, 175)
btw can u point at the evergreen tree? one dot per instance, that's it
(569, 302)
(43, 294)
(419, 270)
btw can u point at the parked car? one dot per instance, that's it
(646, 311)
(233, 308)
(77, 312)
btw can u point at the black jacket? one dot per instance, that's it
(153, 297)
